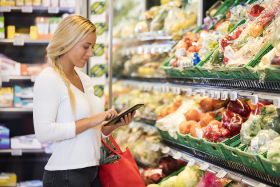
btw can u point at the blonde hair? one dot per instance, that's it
(69, 32)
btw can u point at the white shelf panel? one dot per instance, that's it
(27, 110)
(24, 41)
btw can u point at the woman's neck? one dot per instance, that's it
(67, 67)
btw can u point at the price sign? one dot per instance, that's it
(255, 99)
(204, 166)
(276, 102)
(211, 93)
(224, 95)
(221, 174)
(27, 9)
(19, 41)
(165, 150)
(233, 96)
(177, 155)
(191, 162)
(53, 10)
(16, 152)
(217, 94)
(5, 9)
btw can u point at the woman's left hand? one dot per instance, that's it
(126, 119)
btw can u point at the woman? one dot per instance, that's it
(66, 112)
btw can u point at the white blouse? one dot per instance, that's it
(54, 121)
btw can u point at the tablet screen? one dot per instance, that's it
(117, 119)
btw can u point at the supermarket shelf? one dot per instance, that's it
(11, 80)
(252, 176)
(16, 110)
(37, 9)
(20, 152)
(146, 121)
(216, 91)
(252, 85)
(23, 42)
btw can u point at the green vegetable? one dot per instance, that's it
(250, 129)
(273, 152)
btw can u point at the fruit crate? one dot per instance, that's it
(213, 148)
(165, 135)
(268, 73)
(272, 168)
(230, 149)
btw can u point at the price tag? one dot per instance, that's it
(16, 152)
(27, 9)
(204, 166)
(156, 147)
(217, 94)
(177, 155)
(224, 95)
(233, 96)
(255, 99)
(191, 162)
(211, 93)
(188, 91)
(221, 174)
(202, 93)
(53, 10)
(276, 102)
(165, 150)
(18, 41)
(5, 9)
(261, 185)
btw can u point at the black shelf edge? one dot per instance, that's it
(232, 166)
(251, 85)
(150, 122)
(37, 9)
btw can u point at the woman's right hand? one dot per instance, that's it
(109, 114)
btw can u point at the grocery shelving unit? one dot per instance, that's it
(216, 88)
(28, 164)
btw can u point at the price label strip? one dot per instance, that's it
(16, 152)
(224, 95)
(204, 166)
(27, 9)
(53, 10)
(221, 174)
(18, 41)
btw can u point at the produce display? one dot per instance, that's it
(239, 38)
(154, 31)
(139, 142)
(194, 177)
(157, 104)
(203, 117)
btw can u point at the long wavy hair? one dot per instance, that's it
(68, 33)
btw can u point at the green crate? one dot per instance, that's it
(250, 159)
(272, 168)
(184, 140)
(196, 143)
(208, 73)
(272, 74)
(213, 148)
(230, 150)
(165, 135)
(191, 72)
(234, 73)
(175, 173)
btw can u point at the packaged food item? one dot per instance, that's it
(46, 3)
(54, 3)
(28, 2)
(19, 2)
(11, 31)
(6, 97)
(42, 24)
(2, 27)
(54, 21)
(8, 179)
(33, 32)
(36, 2)
(4, 137)
(23, 97)
(25, 142)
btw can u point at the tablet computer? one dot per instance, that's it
(117, 119)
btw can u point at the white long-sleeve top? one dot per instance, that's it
(54, 121)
